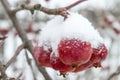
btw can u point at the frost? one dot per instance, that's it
(75, 26)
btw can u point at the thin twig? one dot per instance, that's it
(29, 63)
(3, 76)
(18, 78)
(114, 74)
(74, 4)
(19, 49)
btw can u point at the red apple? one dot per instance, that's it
(73, 51)
(42, 56)
(99, 54)
(58, 65)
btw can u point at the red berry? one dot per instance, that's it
(99, 54)
(42, 56)
(58, 65)
(4, 31)
(73, 51)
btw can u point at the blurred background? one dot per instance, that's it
(103, 14)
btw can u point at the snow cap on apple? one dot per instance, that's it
(74, 27)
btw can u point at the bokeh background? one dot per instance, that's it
(103, 14)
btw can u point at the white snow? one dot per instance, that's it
(74, 27)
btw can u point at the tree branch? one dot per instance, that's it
(114, 74)
(23, 35)
(60, 11)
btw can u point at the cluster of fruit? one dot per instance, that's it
(70, 49)
(73, 56)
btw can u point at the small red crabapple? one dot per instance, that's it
(58, 65)
(99, 54)
(4, 31)
(73, 51)
(42, 56)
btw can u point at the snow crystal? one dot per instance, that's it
(74, 27)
